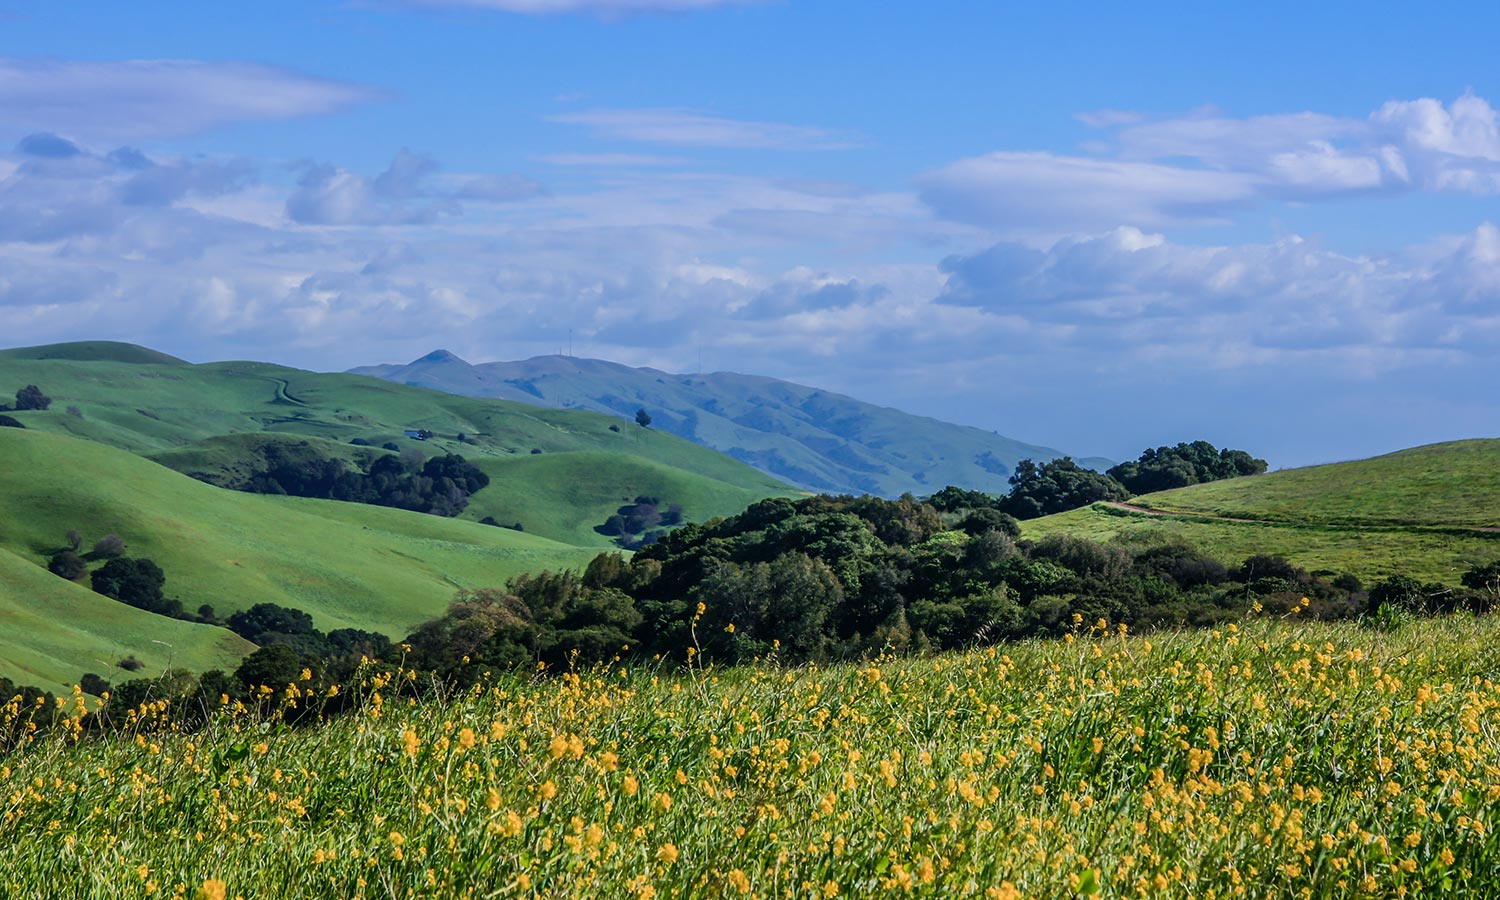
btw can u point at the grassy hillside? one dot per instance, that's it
(1429, 512)
(816, 439)
(1269, 760)
(94, 351)
(564, 495)
(349, 565)
(1451, 484)
(53, 631)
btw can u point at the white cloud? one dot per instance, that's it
(694, 129)
(1203, 167)
(613, 160)
(1140, 295)
(1043, 193)
(138, 99)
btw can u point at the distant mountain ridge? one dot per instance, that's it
(810, 437)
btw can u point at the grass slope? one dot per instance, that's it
(1451, 484)
(230, 460)
(346, 564)
(53, 631)
(1273, 760)
(1419, 512)
(565, 495)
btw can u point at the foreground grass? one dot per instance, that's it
(1280, 760)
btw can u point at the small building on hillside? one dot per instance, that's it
(418, 434)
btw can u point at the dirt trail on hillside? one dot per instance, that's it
(1184, 514)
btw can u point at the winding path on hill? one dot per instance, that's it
(1188, 514)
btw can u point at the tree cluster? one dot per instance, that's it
(440, 486)
(1062, 484)
(1057, 486)
(1165, 468)
(641, 522)
(270, 625)
(28, 398)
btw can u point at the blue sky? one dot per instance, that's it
(1094, 228)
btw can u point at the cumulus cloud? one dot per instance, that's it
(139, 99)
(406, 193)
(694, 129)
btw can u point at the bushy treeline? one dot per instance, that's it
(840, 577)
(440, 486)
(1062, 484)
(642, 521)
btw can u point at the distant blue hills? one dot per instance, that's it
(812, 438)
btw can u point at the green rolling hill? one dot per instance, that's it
(53, 631)
(101, 460)
(213, 419)
(1430, 512)
(813, 438)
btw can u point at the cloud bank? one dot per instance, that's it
(140, 99)
(1011, 287)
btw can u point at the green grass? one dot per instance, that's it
(53, 631)
(348, 565)
(1419, 512)
(230, 460)
(1273, 761)
(1370, 553)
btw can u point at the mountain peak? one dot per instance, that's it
(439, 356)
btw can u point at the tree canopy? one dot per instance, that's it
(31, 397)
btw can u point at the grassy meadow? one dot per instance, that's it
(1270, 759)
(1429, 512)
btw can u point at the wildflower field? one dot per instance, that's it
(1273, 759)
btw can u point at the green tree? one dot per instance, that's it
(275, 667)
(67, 564)
(1057, 486)
(137, 582)
(31, 397)
(643, 418)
